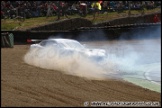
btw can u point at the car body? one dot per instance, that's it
(72, 46)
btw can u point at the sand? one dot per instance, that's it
(25, 85)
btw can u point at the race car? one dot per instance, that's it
(69, 46)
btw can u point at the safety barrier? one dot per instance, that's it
(127, 26)
(7, 40)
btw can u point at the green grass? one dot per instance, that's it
(144, 83)
(10, 24)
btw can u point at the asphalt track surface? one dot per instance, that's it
(148, 62)
(26, 85)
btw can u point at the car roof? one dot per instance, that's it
(62, 40)
(69, 43)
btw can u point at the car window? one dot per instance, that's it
(75, 45)
(70, 45)
(45, 43)
(64, 44)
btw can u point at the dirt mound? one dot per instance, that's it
(68, 24)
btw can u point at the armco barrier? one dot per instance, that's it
(113, 33)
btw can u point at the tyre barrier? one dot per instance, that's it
(7, 40)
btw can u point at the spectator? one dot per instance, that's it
(83, 9)
(96, 6)
(74, 8)
(120, 6)
(156, 19)
(2, 14)
(62, 9)
(28, 9)
(112, 5)
(105, 6)
(49, 10)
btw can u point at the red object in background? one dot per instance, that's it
(100, 2)
(156, 19)
(29, 41)
(82, 6)
(2, 13)
(55, 7)
(62, 4)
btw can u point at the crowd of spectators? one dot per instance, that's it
(30, 9)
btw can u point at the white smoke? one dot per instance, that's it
(127, 57)
(120, 58)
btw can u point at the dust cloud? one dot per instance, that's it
(72, 63)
